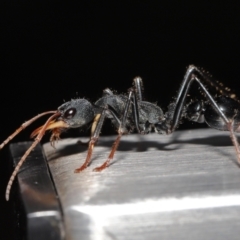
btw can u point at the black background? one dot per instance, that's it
(55, 51)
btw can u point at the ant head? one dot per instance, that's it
(73, 114)
(76, 113)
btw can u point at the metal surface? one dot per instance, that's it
(41, 209)
(182, 186)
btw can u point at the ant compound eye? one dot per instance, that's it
(70, 113)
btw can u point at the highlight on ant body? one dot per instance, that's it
(130, 112)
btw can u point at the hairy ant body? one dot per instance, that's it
(130, 112)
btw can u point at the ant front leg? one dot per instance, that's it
(106, 92)
(121, 131)
(95, 132)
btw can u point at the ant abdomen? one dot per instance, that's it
(229, 107)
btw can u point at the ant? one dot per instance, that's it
(130, 112)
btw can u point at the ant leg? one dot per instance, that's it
(182, 94)
(234, 140)
(95, 132)
(93, 128)
(111, 155)
(137, 96)
(138, 85)
(121, 131)
(189, 77)
(135, 109)
(96, 128)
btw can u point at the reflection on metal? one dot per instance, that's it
(157, 206)
(45, 214)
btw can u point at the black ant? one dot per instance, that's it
(130, 112)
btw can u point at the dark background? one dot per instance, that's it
(54, 51)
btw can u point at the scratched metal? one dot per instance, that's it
(182, 186)
(37, 209)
